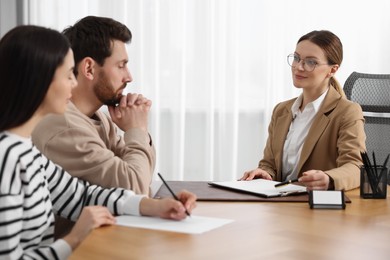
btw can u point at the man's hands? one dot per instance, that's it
(132, 112)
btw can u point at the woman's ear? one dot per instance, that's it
(333, 70)
(87, 68)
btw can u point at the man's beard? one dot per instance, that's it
(105, 92)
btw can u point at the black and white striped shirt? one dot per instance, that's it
(33, 189)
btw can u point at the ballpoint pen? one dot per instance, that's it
(173, 194)
(285, 183)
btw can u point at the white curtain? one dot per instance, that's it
(215, 69)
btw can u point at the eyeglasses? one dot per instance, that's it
(308, 64)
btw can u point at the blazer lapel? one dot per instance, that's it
(319, 125)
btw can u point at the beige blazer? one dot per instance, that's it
(333, 144)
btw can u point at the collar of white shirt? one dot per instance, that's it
(316, 103)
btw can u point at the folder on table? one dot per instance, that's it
(206, 192)
(261, 187)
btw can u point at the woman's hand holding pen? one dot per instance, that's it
(255, 174)
(315, 180)
(168, 207)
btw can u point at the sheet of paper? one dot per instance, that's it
(190, 225)
(261, 187)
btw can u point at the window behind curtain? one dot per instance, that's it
(215, 69)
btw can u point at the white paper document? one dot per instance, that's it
(265, 188)
(190, 225)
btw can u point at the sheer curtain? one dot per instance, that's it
(215, 69)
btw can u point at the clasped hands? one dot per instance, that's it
(131, 112)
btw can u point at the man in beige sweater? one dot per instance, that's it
(84, 141)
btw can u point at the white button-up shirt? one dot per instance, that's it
(299, 128)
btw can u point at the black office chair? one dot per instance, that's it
(372, 92)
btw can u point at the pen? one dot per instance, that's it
(369, 170)
(173, 194)
(285, 183)
(373, 157)
(383, 171)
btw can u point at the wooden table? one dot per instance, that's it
(260, 231)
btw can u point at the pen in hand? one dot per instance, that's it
(283, 183)
(173, 194)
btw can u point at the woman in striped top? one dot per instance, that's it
(36, 73)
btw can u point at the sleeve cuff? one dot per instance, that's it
(62, 249)
(137, 134)
(132, 204)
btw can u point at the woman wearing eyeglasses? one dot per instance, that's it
(316, 137)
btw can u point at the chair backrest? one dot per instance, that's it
(372, 92)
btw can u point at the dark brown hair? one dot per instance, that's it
(92, 37)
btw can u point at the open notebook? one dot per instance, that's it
(261, 187)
